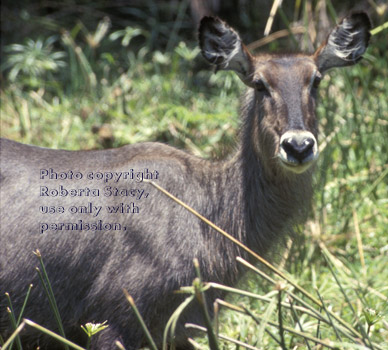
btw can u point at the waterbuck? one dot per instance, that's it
(100, 228)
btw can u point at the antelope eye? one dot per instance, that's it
(317, 81)
(259, 86)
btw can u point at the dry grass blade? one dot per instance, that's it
(53, 335)
(275, 6)
(274, 36)
(13, 336)
(259, 258)
(234, 240)
(195, 344)
(359, 242)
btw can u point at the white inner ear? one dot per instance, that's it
(226, 53)
(225, 49)
(344, 50)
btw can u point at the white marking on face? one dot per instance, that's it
(291, 163)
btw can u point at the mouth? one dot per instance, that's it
(296, 166)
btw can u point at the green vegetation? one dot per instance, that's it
(84, 88)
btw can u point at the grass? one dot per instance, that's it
(90, 96)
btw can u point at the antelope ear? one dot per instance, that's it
(346, 43)
(222, 46)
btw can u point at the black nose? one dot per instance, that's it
(298, 149)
